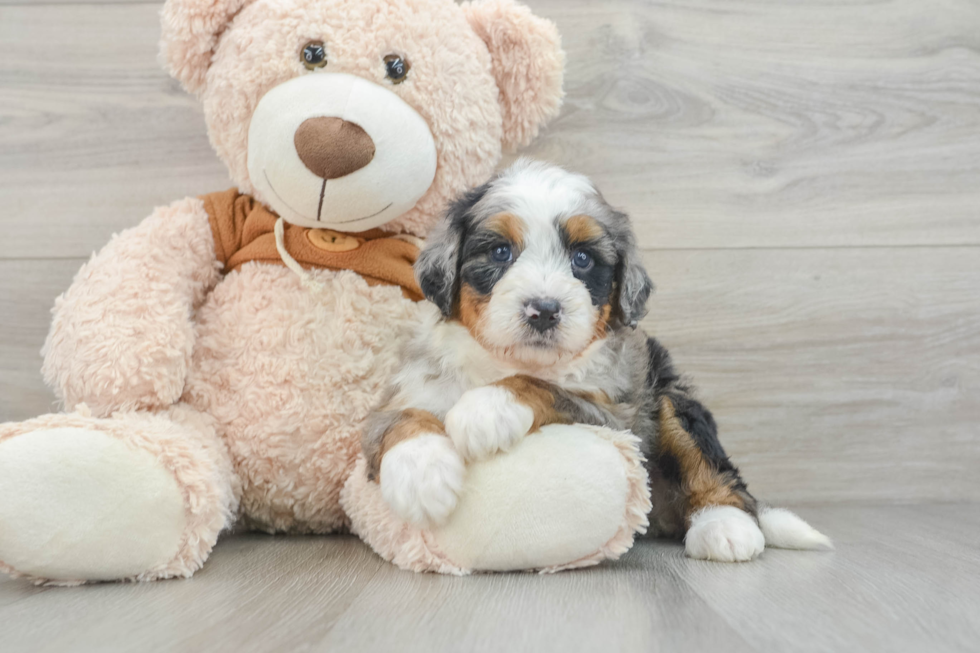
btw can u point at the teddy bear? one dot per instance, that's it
(218, 360)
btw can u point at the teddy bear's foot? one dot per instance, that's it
(84, 499)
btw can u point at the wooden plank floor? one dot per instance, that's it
(804, 180)
(903, 578)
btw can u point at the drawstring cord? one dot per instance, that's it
(410, 239)
(308, 281)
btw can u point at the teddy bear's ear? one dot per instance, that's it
(528, 64)
(190, 31)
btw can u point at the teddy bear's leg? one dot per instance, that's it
(137, 496)
(567, 495)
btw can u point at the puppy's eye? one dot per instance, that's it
(582, 259)
(314, 55)
(501, 253)
(396, 68)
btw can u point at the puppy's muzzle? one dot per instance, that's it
(542, 314)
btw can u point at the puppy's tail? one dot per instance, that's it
(784, 530)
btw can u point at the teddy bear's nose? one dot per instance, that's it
(333, 147)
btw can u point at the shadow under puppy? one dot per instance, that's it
(540, 287)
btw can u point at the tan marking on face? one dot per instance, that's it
(582, 229)
(469, 310)
(412, 423)
(509, 226)
(602, 322)
(703, 484)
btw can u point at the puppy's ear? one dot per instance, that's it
(528, 64)
(437, 268)
(191, 29)
(633, 285)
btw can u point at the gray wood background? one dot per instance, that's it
(803, 175)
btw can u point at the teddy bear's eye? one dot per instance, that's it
(314, 55)
(396, 68)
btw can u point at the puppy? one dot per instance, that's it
(540, 285)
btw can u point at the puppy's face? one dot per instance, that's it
(535, 265)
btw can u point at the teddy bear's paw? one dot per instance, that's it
(724, 534)
(487, 420)
(81, 504)
(421, 479)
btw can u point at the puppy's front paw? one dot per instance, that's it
(725, 534)
(487, 420)
(421, 479)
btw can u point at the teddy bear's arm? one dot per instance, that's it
(122, 334)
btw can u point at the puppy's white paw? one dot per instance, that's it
(421, 479)
(725, 534)
(487, 420)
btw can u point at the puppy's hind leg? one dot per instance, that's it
(716, 506)
(723, 520)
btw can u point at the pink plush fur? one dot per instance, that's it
(290, 375)
(527, 65)
(191, 29)
(122, 335)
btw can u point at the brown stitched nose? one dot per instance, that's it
(332, 147)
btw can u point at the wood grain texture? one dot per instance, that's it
(747, 123)
(255, 588)
(637, 605)
(834, 374)
(27, 292)
(93, 134)
(716, 123)
(902, 579)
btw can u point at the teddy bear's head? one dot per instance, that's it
(352, 114)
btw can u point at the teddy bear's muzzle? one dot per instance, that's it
(333, 147)
(337, 151)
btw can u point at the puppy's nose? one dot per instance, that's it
(542, 313)
(332, 147)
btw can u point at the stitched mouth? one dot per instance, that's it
(273, 189)
(319, 208)
(366, 217)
